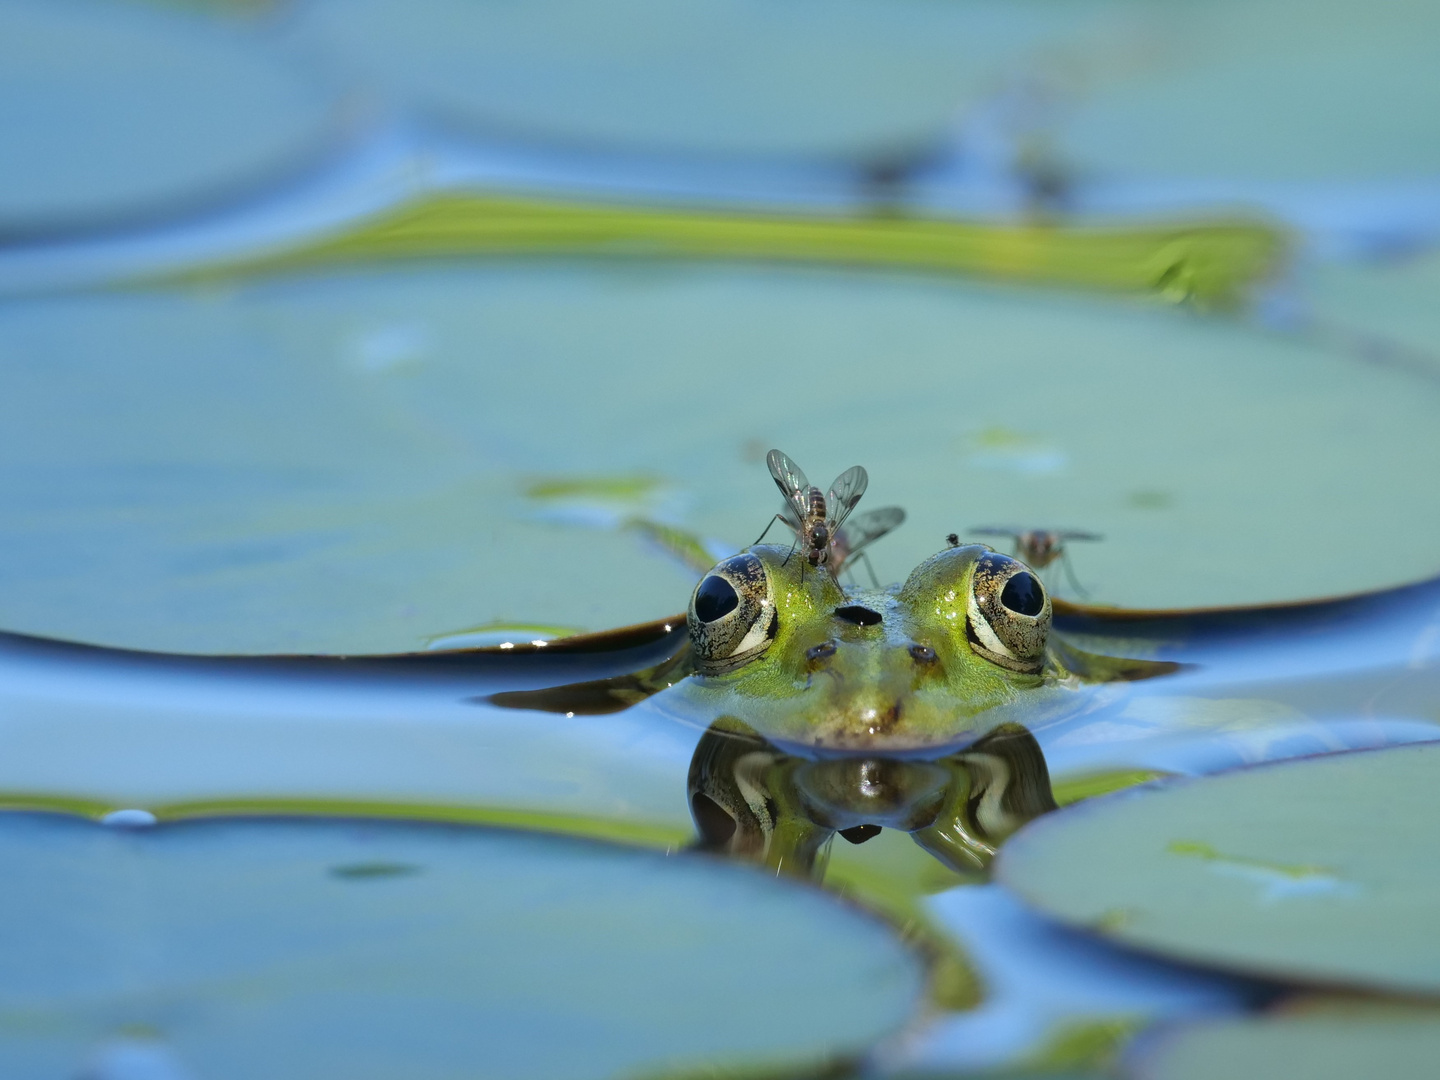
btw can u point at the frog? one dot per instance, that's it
(922, 667)
(962, 646)
(831, 709)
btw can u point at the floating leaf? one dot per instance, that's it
(110, 111)
(1335, 1043)
(850, 81)
(1326, 869)
(1263, 92)
(369, 949)
(203, 471)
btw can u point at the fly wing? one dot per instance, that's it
(1078, 534)
(844, 493)
(864, 529)
(997, 530)
(790, 517)
(791, 481)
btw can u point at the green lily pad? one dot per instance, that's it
(1269, 91)
(1381, 310)
(1395, 1042)
(832, 79)
(1326, 869)
(359, 462)
(367, 949)
(110, 110)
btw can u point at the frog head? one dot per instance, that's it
(962, 646)
(924, 668)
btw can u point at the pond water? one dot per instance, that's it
(363, 366)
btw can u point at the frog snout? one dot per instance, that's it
(864, 687)
(900, 661)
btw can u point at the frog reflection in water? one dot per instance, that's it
(752, 800)
(908, 706)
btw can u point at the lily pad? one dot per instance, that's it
(818, 79)
(94, 731)
(1326, 869)
(1379, 310)
(112, 110)
(266, 948)
(1394, 1042)
(1274, 91)
(359, 462)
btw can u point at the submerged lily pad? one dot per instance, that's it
(232, 470)
(109, 110)
(319, 949)
(1393, 1042)
(1325, 869)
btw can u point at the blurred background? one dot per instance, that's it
(351, 325)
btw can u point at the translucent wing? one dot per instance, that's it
(790, 517)
(791, 481)
(864, 529)
(844, 493)
(1015, 532)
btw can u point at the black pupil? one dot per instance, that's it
(715, 599)
(1022, 594)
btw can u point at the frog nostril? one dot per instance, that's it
(821, 651)
(860, 616)
(923, 654)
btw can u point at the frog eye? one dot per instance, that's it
(1009, 613)
(732, 615)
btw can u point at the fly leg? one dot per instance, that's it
(868, 568)
(1080, 590)
(768, 527)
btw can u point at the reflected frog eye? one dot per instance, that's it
(1009, 614)
(732, 617)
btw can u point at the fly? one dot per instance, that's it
(1041, 547)
(818, 519)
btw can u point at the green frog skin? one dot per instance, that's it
(963, 646)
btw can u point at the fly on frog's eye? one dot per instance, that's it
(1008, 617)
(732, 617)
